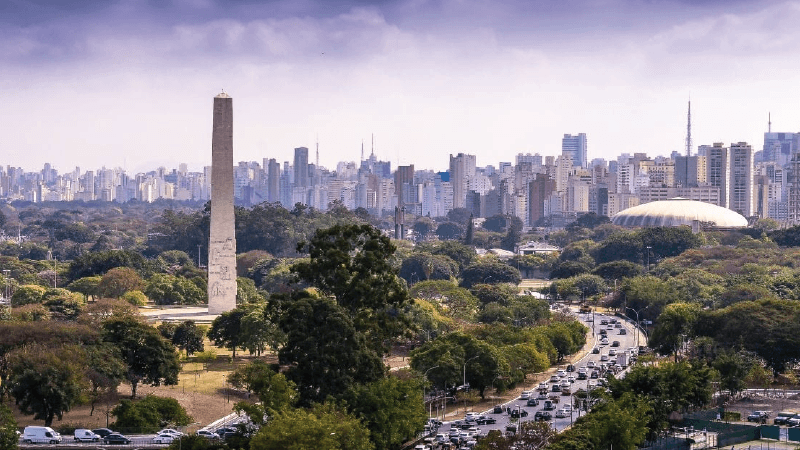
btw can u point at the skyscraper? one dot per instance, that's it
(301, 167)
(462, 168)
(222, 242)
(575, 147)
(741, 182)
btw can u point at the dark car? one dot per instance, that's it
(102, 432)
(116, 438)
(515, 413)
(532, 402)
(497, 409)
(758, 416)
(542, 415)
(615, 344)
(595, 351)
(486, 420)
(570, 368)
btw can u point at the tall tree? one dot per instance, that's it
(188, 337)
(47, 382)
(9, 439)
(226, 330)
(353, 264)
(149, 357)
(324, 427)
(324, 351)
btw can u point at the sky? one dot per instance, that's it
(130, 83)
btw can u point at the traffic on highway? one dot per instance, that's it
(559, 400)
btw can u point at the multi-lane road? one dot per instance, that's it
(600, 354)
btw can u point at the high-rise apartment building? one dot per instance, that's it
(717, 169)
(301, 167)
(575, 147)
(740, 187)
(462, 168)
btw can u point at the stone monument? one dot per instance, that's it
(222, 242)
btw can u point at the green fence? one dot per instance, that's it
(727, 433)
(794, 434)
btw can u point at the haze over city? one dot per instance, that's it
(130, 84)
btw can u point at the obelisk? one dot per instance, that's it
(222, 241)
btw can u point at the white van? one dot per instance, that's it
(40, 435)
(84, 435)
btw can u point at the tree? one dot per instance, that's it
(29, 294)
(275, 393)
(99, 263)
(47, 382)
(459, 215)
(455, 302)
(105, 371)
(325, 352)
(188, 337)
(674, 327)
(9, 439)
(392, 409)
(489, 270)
(352, 263)
(150, 358)
(166, 289)
(226, 330)
(88, 286)
(258, 331)
(324, 427)
(449, 231)
(424, 266)
(733, 369)
(149, 414)
(118, 281)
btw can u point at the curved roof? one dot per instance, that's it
(678, 211)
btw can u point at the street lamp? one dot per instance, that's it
(637, 324)
(464, 385)
(648, 257)
(424, 377)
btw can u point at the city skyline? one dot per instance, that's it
(124, 84)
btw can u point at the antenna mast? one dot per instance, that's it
(689, 131)
(317, 151)
(769, 122)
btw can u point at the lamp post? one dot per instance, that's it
(7, 275)
(637, 325)
(464, 385)
(648, 257)
(424, 377)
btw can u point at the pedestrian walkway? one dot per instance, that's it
(765, 444)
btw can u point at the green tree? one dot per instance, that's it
(324, 427)
(88, 286)
(489, 270)
(29, 294)
(226, 330)
(149, 414)
(135, 298)
(166, 289)
(421, 266)
(9, 440)
(449, 231)
(47, 382)
(733, 369)
(118, 281)
(325, 352)
(674, 327)
(188, 337)
(275, 393)
(150, 358)
(352, 263)
(105, 371)
(259, 332)
(453, 301)
(392, 410)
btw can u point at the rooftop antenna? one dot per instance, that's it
(373, 144)
(317, 151)
(689, 131)
(769, 122)
(362, 149)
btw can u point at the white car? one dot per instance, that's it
(164, 438)
(562, 413)
(171, 431)
(207, 434)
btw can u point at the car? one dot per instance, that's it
(612, 352)
(171, 431)
(561, 413)
(567, 407)
(582, 375)
(542, 416)
(102, 432)
(603, 332)
(421, 447)
(497, 409)
(570, 379)
(603, 357)
(617, 325)
(555, 379)
(595, 351)
(525, 395)
(532, 402)
(570, 368)
(615, 344)
(84, 435)
(164, 438)
(758, 416)
(591, 364)
(623, 331)
(543, 386)
(116, 438)
(541, 396)
(604, 322)
(516, 413)
(555, 388)
(487, 420)
(225, 430)
(561, 373)
(207, 434)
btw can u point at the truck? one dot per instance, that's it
(622, 359)
(40, 435)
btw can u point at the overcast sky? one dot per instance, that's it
(131, 83)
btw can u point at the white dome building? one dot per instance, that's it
(679, 211)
